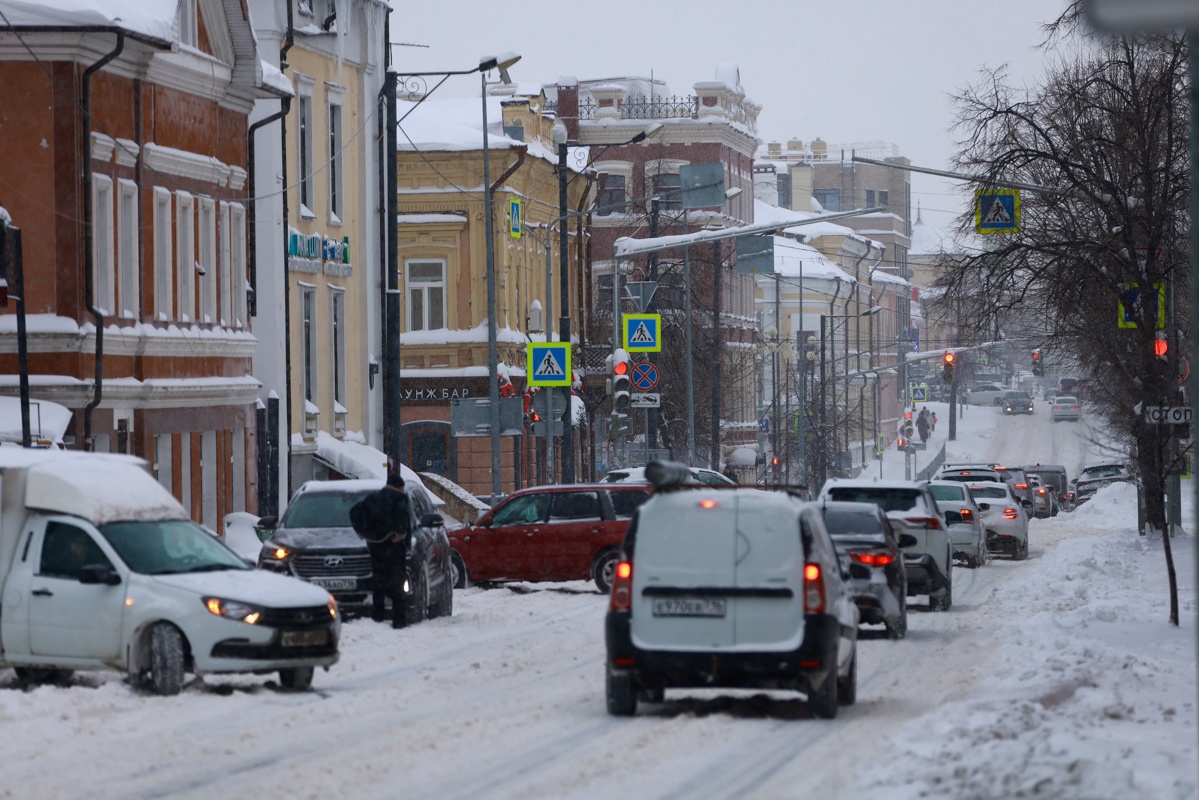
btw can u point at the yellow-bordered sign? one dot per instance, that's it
(549, 364)
(642, 333)
(996, 210)
(1131, 296)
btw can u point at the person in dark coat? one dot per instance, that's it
(922, 425)
(383, 520)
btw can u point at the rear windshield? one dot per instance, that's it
(851, 523)
(1017, 396)
(322, 509)
(1063, 400)
(947, 492)
(887, 498)
(625, 503)
(995, 492)
(1106, 471)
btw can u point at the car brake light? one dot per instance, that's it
(1073, 406)
(1021, 485)
(707, 504)
(622, 588)
(873, 558)
(928, 522)
(1009, 513)
(813, 590)
(967, 515)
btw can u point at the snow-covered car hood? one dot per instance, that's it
(256, 586)
(317, 538)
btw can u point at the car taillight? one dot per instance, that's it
(928, 522)
(1056, 407)
(967, 515)
(873, 558)
(1041, 491)
(1021, 485)
(1009, 513)
(813, 590)
(1073, 406)
(622, 588)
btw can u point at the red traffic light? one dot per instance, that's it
(1036, 355)
(621, 368)
(1160, 347)
(949, 358)
(907, 415)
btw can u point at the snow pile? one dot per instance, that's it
(1081, 690)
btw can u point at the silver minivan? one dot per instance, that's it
(731, 587)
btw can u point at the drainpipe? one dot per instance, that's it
(288, 41)
(252, 211)
(831, 380)
(88, 257)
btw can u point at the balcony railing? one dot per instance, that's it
(676, 107)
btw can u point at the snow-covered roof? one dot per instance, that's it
(455, 124)
(360, 461)
(765, 212)
(792, 258)
(152, 20)
(930, 240)
(47, 420)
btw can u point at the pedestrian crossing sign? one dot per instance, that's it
(997, 211)
(643, 333)
(549, 364)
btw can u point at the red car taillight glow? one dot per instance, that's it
(1009, 513)
(622, 588)
(967, 515)
(813, 589)
(1021, 485)
(873, 558)
(928, 522)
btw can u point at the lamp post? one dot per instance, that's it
(560, 137)
(833, 347)
(549, 335)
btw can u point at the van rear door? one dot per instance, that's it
(770, 561)
(685, 572)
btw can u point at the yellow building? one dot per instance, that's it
(442, 262)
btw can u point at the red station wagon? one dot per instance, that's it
(548, 533)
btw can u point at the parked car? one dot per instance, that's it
(1015, 402)
(637, 475)
(1004, 519)
(912, 509)
(878, 581)
(733, 588)
(967, 533)
(1054, 476)
(549, 533)
(1065, 408)
(1094, 476)
(314, 540)
(985, 394)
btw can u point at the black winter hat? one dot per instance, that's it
(394, 479)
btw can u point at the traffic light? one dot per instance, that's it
(619, 426)
(1160, 346)
(905, 435)
(1038, 368)
(620, 367)
(947, 368)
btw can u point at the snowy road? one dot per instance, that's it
(505, 700)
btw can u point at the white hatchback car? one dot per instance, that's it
(1065, 408)
(968, 535)
(1004, 519)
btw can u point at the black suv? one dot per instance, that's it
(314, 541)
(1017, 403)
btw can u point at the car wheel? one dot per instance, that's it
(899, 628)
(166, 659)
(823, 701)
(622, 700)
(942, 599)
(444, 607)
(296, 679)
(847, 687)
(417, 608)
(458, 570)
(1022, 549)
(603, 570)
(39, 675)
(972, 562)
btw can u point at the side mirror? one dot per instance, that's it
(432, 520)
(99, 573)
(267, 523)
(984, 506)
(907, 540)
(953, 517)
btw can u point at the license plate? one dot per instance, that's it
(689, 607)
(305, 638)
(336, 584)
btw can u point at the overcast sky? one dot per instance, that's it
(842, 70)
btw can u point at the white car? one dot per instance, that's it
(986, 394)
(1065, 408)
(1004, 519)
(968, 535)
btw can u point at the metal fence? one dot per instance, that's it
(930, 469)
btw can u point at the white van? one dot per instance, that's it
(100, 568)
(729, 588)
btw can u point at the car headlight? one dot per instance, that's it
(332, 606)
(233, 609)
(275, 553)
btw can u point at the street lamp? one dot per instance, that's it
(560, 137)
(832, 328)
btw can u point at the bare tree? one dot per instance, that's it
(1100, 262)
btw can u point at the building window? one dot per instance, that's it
(308, 340)
(783, 183)
(869, 198)
(669, 190)
(207, 265)
(102, 244)
(335, 178)
(237, 234)
(425, 281)
(615, 196)
(164, 262)
(337, 315)
(128, 242)
(305, 164)
(188, 24)
(185, 228)
(884, 199)
(225, 279)
(829, 199)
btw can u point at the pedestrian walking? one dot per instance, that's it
(922, 424)
(933, 418)
(383, 520)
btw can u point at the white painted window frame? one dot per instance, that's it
(185, 270)
(128, 270)
(164, 261)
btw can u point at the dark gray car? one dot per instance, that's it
(871, 551)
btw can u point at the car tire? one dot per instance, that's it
(622, 700)
(823, 701)
(603, 569)
(899, 629)
(44, 675)
(458, 570)
(296, 679)
(166, 659)
(417, 609)
(847, 687)
(1021, 550)
(942, 599)
(444, 607)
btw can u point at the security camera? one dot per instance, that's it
(200, 268)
